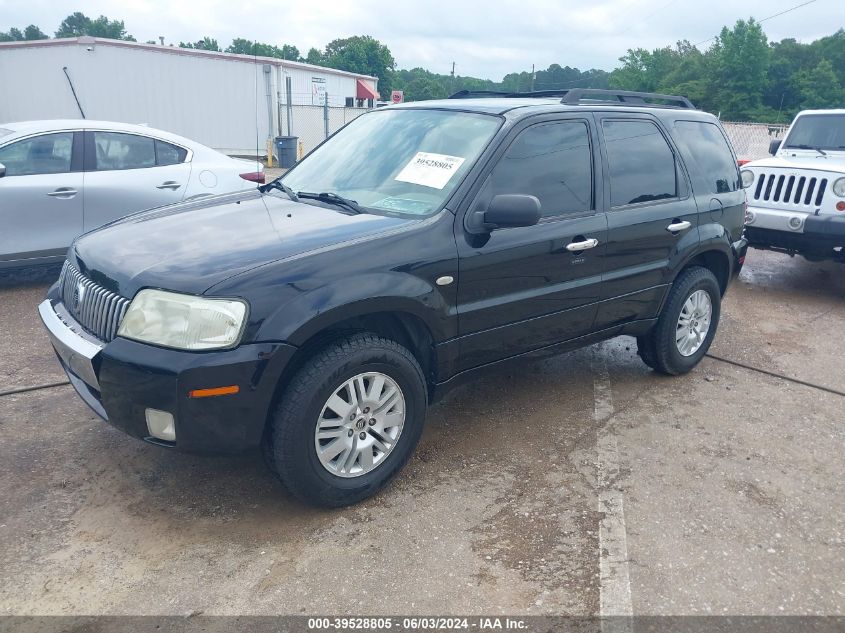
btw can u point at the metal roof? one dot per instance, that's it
(176, 50)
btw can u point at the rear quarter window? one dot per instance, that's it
(708, 157)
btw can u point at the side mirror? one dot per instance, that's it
(774, 146)
(512, 210)
(2, 170)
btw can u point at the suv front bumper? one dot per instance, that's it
(120, 380)
(809, 233)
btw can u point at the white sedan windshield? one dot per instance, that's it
(404, 161)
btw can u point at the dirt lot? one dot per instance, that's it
(581, 484)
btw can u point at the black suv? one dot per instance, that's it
(320, 314)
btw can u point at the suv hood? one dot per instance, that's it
(834, 162)
(192, 246)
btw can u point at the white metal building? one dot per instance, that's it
(232, 103)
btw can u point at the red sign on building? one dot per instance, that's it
(397, 96)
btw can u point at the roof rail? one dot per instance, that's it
(577, 96)
(536, 94)
(625, 97)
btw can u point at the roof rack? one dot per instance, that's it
(578, 96)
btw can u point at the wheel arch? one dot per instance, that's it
(403, 326)
(716, 261)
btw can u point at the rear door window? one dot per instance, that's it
(45, 154)
(642, 165)
(708, 157)
(115, 150)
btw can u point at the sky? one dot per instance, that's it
(485, 39)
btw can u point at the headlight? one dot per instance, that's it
(183, 321)
(839, 187)
(747, 178)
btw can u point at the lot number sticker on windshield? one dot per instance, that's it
(430, 170)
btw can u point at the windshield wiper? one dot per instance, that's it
(278, 184)
(818, 149)
(332, 198)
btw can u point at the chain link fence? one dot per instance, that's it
(751, 140)
(311, 124)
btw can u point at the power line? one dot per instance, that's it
(797, 6)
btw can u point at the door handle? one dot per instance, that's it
(677, 227)
(62, 192)
(584, 245)
(169, 184)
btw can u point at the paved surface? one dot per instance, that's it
(575, 485)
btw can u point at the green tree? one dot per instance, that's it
(788, 57)
(78, 24)
(819, 87)
(361, 54)
(424, 89)
(644, 70)
(314, 56)
(31, 32)
(246, 47)
(205, 44)
(832, 48)
(740, 61)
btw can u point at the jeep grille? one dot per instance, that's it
(789, 190)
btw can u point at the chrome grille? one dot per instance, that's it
(98, 310)
(790, 191)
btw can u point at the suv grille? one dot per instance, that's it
(790, 191)
(98, 310)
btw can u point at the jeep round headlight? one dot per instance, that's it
(747, 177)
(183, 321)
(839, 187)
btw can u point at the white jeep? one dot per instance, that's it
(796, 199)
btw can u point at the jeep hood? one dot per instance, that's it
(192, 246)
(833, 162)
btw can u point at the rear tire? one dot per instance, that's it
(347, 373)
(676, 344)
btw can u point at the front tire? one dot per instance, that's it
(686, 325)
(348, 421)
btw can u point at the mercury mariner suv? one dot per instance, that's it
(319, 315)
(797, 198)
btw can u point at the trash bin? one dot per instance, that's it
(286, 150)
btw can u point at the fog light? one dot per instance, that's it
(160, 424)
(750, 216)
(795, 223)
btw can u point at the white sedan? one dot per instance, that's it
(59, 179)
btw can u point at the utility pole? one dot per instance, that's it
(453, 76)
(533, 77)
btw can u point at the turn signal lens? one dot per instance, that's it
(214, 391)
(840, 206)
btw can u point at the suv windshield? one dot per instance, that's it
(817, 131)
(404, 161)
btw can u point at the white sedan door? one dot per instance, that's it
(125, 173)
(40, 196)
